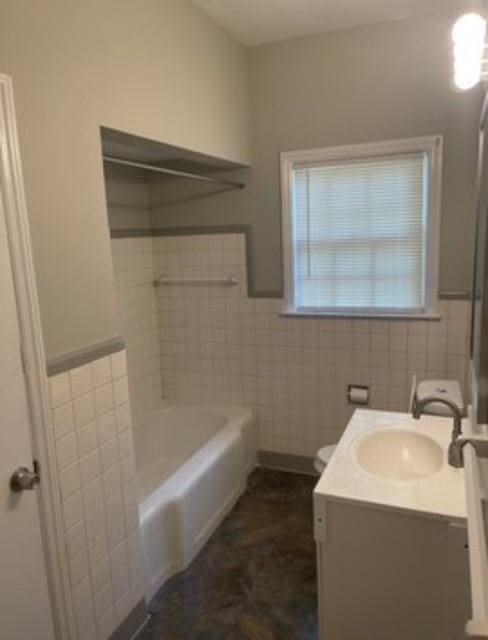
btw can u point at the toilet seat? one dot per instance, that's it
(323, 457)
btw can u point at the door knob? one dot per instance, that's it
(24, 479)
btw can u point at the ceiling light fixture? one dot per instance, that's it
(468, 37)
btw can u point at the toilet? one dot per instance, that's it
(323, 457)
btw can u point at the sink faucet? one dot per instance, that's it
(455, 451)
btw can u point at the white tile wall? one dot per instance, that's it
(138, 316)
(201, 347)
(218, 345)
(95, 458)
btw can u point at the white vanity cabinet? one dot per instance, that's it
(390, 527)
(386, 575)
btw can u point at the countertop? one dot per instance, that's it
(440, 495)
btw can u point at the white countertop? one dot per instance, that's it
(441, 494)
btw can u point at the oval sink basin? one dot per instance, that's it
(398, 454)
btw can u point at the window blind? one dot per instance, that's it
(360, 233)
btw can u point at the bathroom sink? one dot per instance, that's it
(398, 454)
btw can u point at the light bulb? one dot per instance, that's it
(469, 28)
(468, 35)
(465, 79)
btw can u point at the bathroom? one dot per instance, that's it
(213, 435)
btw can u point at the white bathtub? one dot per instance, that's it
(192, 464)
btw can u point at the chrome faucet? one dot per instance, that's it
(455, 451)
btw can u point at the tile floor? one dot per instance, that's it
(255, 579)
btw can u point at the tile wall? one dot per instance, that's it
(203, 328)
(139, 322)
(218, 345)
(94, 449)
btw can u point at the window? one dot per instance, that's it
(360, 228)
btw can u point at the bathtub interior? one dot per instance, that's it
(164, 440)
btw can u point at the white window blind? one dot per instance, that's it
(360, 233)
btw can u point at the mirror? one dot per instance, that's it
(479, 295)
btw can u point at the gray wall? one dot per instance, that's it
(127, 197)
(379, 82)
(159, 69)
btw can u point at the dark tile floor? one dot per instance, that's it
(255, 578)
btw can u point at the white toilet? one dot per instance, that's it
(323, 457)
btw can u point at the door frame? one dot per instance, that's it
(34, 361)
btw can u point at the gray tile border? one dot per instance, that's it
(247, 231)
(133, 624)
(454, 295)
(131, 233)
(79, 357)
(286, 462)
(202, 230)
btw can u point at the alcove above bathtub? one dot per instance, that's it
(165, 176)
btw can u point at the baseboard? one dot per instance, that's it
(170, 569)
(133, 624)
(286, 462)
(141, 627)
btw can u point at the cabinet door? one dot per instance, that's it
(458, 589)
(387, 575)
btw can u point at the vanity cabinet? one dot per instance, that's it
(387, 574)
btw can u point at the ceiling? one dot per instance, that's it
(252, 22)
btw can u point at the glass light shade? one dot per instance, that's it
(468, 35)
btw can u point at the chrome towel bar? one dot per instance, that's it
(224, 280)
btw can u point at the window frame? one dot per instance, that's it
(432, 146)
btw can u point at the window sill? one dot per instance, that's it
(429, 315)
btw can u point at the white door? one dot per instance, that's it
(25, 610)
